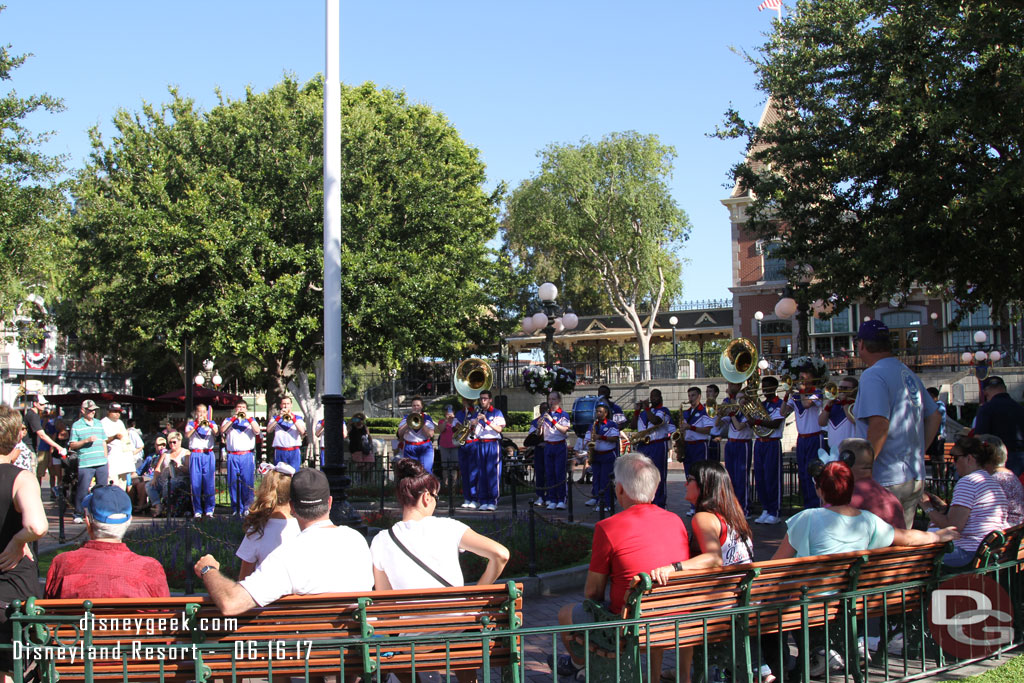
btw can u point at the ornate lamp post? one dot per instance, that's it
(981, 356)
(758, 317)
(209, 372)
(551, 321)
(673, 321)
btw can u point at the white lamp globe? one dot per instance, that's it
(995, 356)
(548, 292)
(527, 324)
(570, 321)
(980, 337)
(867, 318)
(758, 315)
(540, 321)
(980, 356)
(966, 356)
(217, 380)
(933, 315)
(786, 307)
(762, 364)
(200, 380)
(559, 327)
(673, 321)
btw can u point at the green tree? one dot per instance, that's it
(605, 207)
(32, 204)
(208, 226)
(892, 152)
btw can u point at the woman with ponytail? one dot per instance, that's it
(269, 521)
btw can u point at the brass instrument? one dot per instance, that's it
(738, 364)
(414, 422)
(711, 406)
(472, 378)
(830, 391)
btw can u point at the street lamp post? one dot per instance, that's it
(981, 356)
(758, 317)
(551, 321)
(673, 321)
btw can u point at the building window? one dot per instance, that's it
(772, 267)
(837, 324)
(900, 319)
(979, 320)
(776, 337)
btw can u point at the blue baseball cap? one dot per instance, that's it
(873, 330)
(109, 504)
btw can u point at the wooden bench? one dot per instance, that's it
(341, 634)
(764, 597)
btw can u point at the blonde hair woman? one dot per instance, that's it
(268, 522)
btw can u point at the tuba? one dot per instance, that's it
(472, 378)
(738, 364)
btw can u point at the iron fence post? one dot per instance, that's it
(533, 542)
(568, 487)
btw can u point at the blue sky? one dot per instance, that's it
(511, 77)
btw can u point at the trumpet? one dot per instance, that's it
(830, 391)
(415, 421)
(464, 430)
(711, 406)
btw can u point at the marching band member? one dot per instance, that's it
(288, 429)
(539, 477)
(768, 456)
(418, 444)
(737, 448)
(240, 432)
(491, 422)
(807, 405)
(657, 449)
(617, 416)
(554, 427)
(468, 455)
(202, 462)
(604, 434)
(835, 418)
(696, 425)
(718, 432)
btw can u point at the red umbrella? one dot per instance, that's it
(103, 398)
(217, 399)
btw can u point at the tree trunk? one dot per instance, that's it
(276, 382)
(309, 404)
(643, 344)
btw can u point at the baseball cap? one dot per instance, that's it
(873, 330)
(108, 504)
(115, 408)
(993, 381)
(89, 404)
(309, 489)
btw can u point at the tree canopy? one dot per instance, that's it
(893, 153)
(34, 249)
(209, 226)
(604, 208)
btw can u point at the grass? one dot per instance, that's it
(1010, 672)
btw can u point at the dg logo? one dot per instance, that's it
(971, 616)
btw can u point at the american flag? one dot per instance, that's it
(770, 4)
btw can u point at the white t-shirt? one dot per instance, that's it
(322, 559)
(435, 540)
(119, 456)
(239, 434)
(256, 548)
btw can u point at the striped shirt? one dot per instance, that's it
(93, 454)
(983, 495)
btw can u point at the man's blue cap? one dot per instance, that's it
(873, 330)
(109, 504)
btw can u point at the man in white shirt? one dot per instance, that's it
(119, 459)
(240, 432)
(288, 429)
(323, 558)
(202, 461)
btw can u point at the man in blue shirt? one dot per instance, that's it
(1001, 416)
(896, 415)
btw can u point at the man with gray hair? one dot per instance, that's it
(104, 567)
(322, 559)
(638, 539)
(868, 494)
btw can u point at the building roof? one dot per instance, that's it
(699, 323)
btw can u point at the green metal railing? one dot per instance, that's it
(611, 651)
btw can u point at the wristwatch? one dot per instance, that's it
(677, 566)
(202, 572)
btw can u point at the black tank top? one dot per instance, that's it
(22, 581)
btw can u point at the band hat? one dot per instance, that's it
(993, 381)
(109, 505)
(309, 489)
(873, 330)
(89, 404)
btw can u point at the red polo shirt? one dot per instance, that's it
(105, 570)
